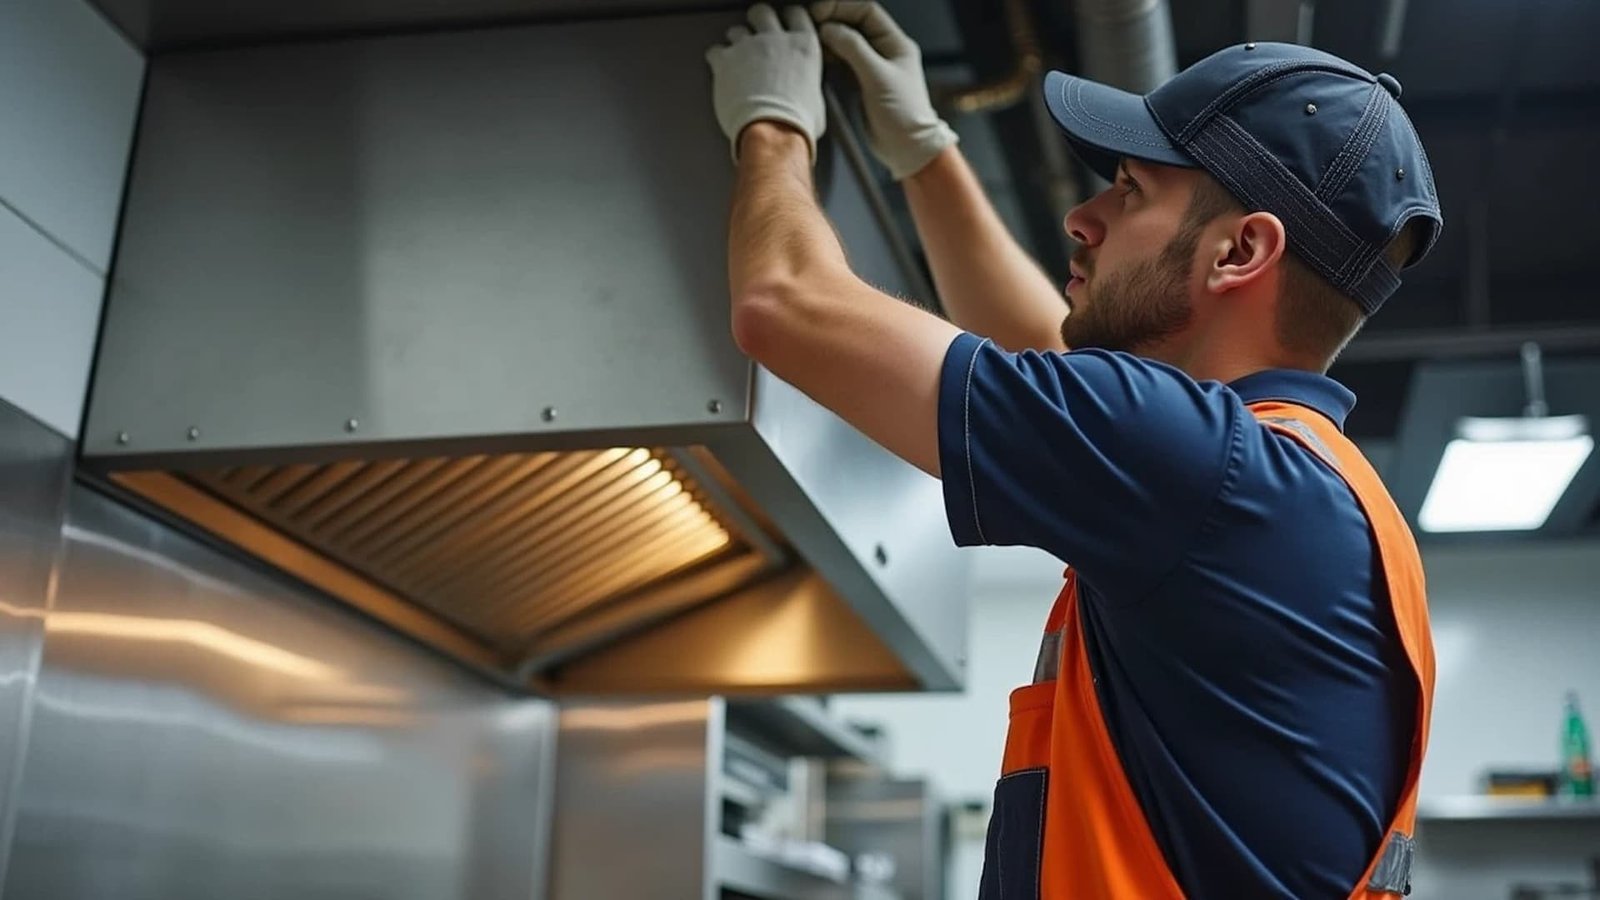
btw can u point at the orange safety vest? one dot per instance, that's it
(1067, 803)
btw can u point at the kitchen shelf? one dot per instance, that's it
(740, 869)
(1474, 808)
(803, 727)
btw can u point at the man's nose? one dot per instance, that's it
(1083, 226)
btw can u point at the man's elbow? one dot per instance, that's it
(763, 318)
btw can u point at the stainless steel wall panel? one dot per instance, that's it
(205, 730)
(35, 468)
(634, 813)
(51, 308)
(69, 94)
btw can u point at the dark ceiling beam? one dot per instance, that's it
(1448, 343)
(1534, 106)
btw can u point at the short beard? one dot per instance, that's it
(1137, 307)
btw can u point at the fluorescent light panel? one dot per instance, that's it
(1505, 474)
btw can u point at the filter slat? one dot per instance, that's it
(505, 546)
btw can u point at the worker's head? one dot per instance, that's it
(1264, 198)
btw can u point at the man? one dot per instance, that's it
(1232, 695)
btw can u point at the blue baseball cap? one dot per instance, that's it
(1318, 142)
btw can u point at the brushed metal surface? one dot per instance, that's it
(51, 309)
(35, 466)
(633, 813)
(784, 635)
(502, 243)
(69, 95)
(204, 730)
(874, 526)
(505, 234)
(168, 24)
(902, 819)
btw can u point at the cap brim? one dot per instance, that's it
(1104, 124)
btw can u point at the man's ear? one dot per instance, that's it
(1246, 254)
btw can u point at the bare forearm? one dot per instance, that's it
(988, 283)
(777, 233)
(800, 312)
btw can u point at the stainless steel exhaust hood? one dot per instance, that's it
(437, 323)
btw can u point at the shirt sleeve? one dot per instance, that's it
(1109, 461)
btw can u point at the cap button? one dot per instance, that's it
(1390, 84)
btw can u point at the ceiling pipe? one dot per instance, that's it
(1006, 90)
(1127, 43)
(1447, 343)
(1279, 20)
(1391, 26)
(1124, 43)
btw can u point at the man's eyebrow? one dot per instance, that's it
(1127, 171)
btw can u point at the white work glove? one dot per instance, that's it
(902, 128)
(769, 71)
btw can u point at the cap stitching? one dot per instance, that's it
(1308, 221)
(1079, 108)
(1422, 155)
(1376, 284)
(1297, 236)
(1364, 260)
(1227, 149)
(1264, 75)
(1310, 206)
(1262, 78)
(1371, 253)
(1411, 212)
(1240, 140)
(1349, 158)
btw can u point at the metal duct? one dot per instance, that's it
(1126, 43)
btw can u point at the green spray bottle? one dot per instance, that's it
(1577, 767)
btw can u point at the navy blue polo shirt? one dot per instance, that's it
(1250, 672)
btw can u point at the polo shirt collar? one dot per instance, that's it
(1310, 389)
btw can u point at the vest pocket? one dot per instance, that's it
(1015, 842)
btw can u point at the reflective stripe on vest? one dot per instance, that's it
(1066, 823)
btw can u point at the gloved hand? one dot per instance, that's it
(769, 71)
(904, 131)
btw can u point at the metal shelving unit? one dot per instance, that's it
(1476, 808)
(746, 872)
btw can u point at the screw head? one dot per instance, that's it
(714, 407)
(352, 424)
(194, 433)
(1311, 109)
(123, 437)
(549, 414)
